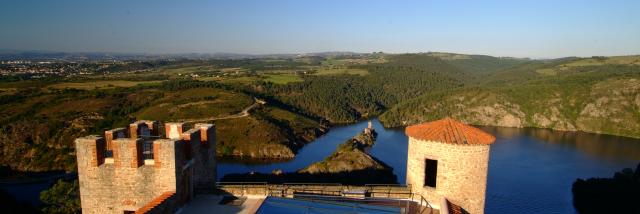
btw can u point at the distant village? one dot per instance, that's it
(40, 69)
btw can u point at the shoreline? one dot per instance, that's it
(530, 127)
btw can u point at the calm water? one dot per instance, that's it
(27, 193)
(530, 170)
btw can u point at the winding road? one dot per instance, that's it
(245, 112)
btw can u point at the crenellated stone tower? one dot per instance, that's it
(448, 161)
(134, 169)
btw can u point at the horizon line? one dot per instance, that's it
(7, 51)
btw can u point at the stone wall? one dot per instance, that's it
(125, 184)
(184, 164)
(205, 167)
(461, 172)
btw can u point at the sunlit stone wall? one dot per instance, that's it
(124, 184)
(461, 175)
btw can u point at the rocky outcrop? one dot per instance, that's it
(500, 114)
(266, 151)
(614, 108)
(610, 106)
(349, 156)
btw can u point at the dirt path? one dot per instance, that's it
(245, 112)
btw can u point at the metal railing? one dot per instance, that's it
(426, 204)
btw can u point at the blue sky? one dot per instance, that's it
(520, 28)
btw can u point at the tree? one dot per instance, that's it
(619, 194)
(63, 198)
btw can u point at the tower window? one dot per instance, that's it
(430, 172)
(147, 151)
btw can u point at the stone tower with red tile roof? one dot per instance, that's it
(449, 159)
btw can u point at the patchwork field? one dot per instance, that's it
(341, 71)
(101, 84)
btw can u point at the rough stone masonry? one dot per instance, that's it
(124, 171)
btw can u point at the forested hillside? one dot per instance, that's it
(599, 94)
(347, 98)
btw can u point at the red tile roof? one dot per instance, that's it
(449, 131)
(455, 209)
(154, 203)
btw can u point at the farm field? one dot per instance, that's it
(101, 84)
(282, 78)
(324, 71)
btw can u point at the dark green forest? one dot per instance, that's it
(619, 194)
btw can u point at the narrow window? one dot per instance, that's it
(108, 152)
(430, 172)
(147, 151)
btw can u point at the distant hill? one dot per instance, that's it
(479, 63)
(99, 56)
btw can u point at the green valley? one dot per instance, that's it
(40, 117)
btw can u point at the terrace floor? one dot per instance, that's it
(305, 204)
(211, 204)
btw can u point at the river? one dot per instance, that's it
(530, 170)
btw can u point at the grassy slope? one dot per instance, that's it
(39, 125)
(282, 78)
(195, 103)
(270, 132)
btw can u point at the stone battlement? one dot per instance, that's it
(140, 140)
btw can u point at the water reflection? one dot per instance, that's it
(597, 145)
